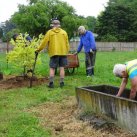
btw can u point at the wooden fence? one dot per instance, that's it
(101, 46)
(110, 46)
(5, 47)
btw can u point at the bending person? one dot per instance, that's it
(127, 71)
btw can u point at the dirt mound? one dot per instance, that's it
(10, 82)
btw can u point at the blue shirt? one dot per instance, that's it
(87, 41)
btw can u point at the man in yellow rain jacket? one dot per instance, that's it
(125, 71)
(56, 41)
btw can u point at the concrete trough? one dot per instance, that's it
(102, 99)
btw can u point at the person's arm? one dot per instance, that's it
(133, 91)
(122, 86)
(80, 46)
(44, 42)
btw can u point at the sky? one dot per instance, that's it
(82, 7)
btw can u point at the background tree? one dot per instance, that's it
(6, 28)
(1, 32)
(32, 19)
(32, 1)
(35, 18)
(71, 23)
(118, 22)
(91, 23)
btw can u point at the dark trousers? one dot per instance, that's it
(90, 62)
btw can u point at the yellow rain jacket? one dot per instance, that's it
(56, 41)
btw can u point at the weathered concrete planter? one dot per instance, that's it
(102, 99)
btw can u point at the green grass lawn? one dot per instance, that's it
(16, 122)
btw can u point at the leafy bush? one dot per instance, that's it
(23, 53)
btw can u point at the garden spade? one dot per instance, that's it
(31, 79)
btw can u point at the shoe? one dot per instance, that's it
(51, 85)
(61, 84)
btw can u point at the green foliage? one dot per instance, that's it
(39, 15)
(10, 33)
(32, 1)
(109, 38)
(91, 23)
(1, 32)
(23, 53)
(6, 28)
(118, 20)
(70, 24)
(35, 18)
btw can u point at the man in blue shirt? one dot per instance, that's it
(87, 41)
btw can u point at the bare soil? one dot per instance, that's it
(10, 82)
(63, 119)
